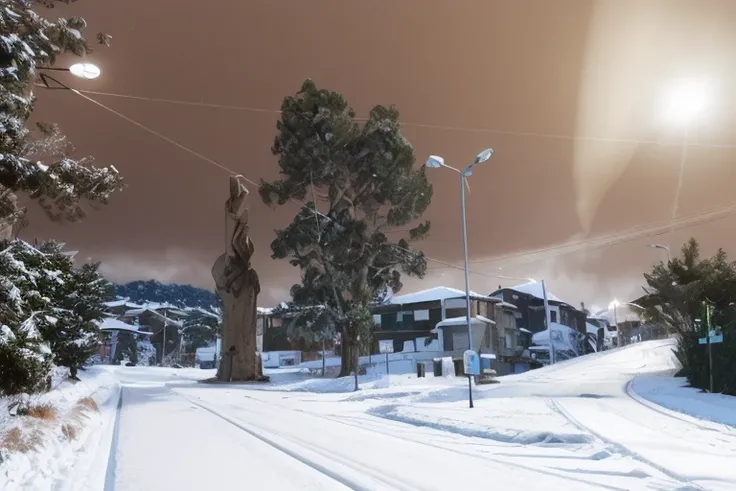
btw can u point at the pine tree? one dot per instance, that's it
(75, 335)
(25, 358)
(359, 182)
(29, 43)
(675, 296)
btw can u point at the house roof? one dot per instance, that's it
(122, 303)
(534, 288)
(113, 324)
(436, 294)
(156, 313)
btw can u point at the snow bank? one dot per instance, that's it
(674, 394)
(521, 421)
(58, 462)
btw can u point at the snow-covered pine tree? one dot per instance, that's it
(75, 334)
(25, 358)
(359, 182)
(28, 43)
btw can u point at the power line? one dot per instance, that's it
(527, 134)
(707, 217)
(640, 231)
(302, 204)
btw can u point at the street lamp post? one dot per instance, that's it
(663, 247)
(435, 162)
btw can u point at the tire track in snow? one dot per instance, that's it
(348, 482)
(484, 457)
(621, 449)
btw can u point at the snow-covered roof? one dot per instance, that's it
(463, 321)
(507, 305)
(534, 288)
(202, 311)
(264, 310)
(135, 312)
(435, 294)
(122, 302)
(113, 324)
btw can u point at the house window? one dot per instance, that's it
(421, 315)
(509, 341)
(275, 321)
(553, 315)
(377, 319)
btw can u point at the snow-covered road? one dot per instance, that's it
(571, 426)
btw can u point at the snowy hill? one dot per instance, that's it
(174, 294)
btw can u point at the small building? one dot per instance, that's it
(569, 327)
(435, 320)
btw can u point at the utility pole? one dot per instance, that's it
(163, 345)
(548, 321)
(710, 345)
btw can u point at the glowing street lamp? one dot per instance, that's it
(87, 71)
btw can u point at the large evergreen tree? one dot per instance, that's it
(676, 293)
(48, 313)
(39, 164)
(75, 334)
(27, 292)
(359, 182)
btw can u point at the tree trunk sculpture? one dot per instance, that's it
(238, 286)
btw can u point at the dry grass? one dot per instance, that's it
(42, 411)
(88, 403)
(16, 441)
(69, 431)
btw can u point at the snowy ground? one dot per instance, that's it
(57, 460)
(606, 421)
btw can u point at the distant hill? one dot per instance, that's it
(175, 294)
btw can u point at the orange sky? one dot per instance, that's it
(569, 93)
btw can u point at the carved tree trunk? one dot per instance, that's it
(239, 360)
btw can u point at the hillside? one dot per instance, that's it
(175, 294)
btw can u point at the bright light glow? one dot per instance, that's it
(435, 161)
(686, 100)
(484, 155)
(85, 70)
(613, 304)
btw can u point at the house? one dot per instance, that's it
(570, 335)
(435, 320)
(415, 317)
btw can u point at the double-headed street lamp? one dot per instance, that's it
(435, 162)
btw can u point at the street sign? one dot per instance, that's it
(386, 346)
(471, 363)
(714, 338)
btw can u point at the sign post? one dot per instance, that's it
(711, 336)
(471, 365)
(386, 346)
